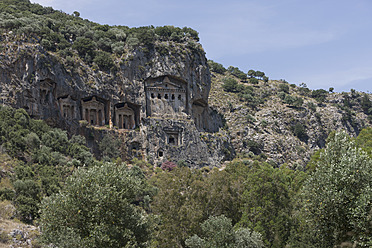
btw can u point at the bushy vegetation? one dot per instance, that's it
(44, 157)
(336, 199)
(246, 93)
(66, 34)
(218, 232)
(249, 202)
(54, 181)
(216, 67)
(98, 207)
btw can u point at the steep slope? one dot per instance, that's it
(147, 86)
(285, 123)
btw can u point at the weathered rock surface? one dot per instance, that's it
(160, 102)
(267, 130)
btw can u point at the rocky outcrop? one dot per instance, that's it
(280, 133)
(160, 101)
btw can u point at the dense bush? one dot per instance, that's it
(218, 232)
(98, 208)
(319, 95)
(336, 200)
(58, 31)
(299, 130)
(230, 84)
(216, 67)
(284, 87)
(103, 60)
(43, 159)
(237, 73)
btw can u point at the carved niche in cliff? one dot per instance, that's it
(199, 108)
(68, 107)
(166, 96)
(173, 136)
(94, 110)
(39, 101)
(47, 91)
(127, 115)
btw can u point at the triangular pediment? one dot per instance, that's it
(163, 84)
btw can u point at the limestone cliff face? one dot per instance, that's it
(158, 102)
(278, 132)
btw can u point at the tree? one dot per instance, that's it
(266, 203)
(218, 232)
(253, 80)
(259, 74)
(109, 147)
(229, 84)
(84, 47)
(216, 67)
(98, 208)
(186, 198)
(251, 73)
(319, 95)
(237, 73)
(104, 60)
(364, 140)
(265, 79)
(283, 87)
(299, 130)
(337, 198)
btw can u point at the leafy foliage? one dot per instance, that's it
(98, 208)
(299, 130)
(230, 84)
(216, 67)
(186, 198)
(237, 73)
(337, 198)
(59, 32)
(44, 158)
(319, 95)
(218, 232)
(266, 203)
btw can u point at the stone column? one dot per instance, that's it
(97, 118)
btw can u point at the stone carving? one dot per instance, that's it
(127, 115)
(47, 93)
(166, 96)
(173, 136)
(68, 107)
(199, 108)
(93, 110)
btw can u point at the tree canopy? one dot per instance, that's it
(98, 208)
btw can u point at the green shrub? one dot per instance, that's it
(253, 80)
(84, 47)
(216, 67)
(98, 208)
(299, 130)
(229, 84)
(237, 73)
(283, 87)
(319, 95)
(104, 60)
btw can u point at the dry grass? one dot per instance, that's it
(2, 245)
(6, 226)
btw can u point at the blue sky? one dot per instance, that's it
(323, 43)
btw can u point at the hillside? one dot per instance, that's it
(285, 123)
(146, 86)
(113, 136)
(56, 66)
